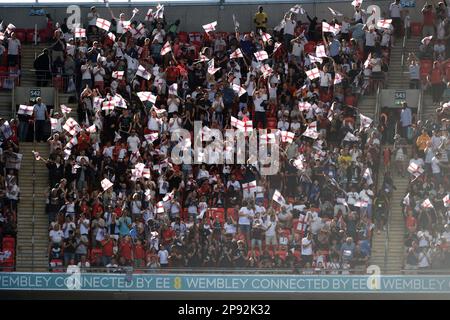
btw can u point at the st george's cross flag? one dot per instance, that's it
(236, 54)
(313, 73)
(23, 109)
(320, 51)
(278, 198)
(118, 75)
(304, 106)
(146, 96)
(142, 72)
(249, 189)
(314, 59)
(415, 169)
(238, 89)
(446, 200)
(384, 23)
(365, 121)
(166, 48)
(261, 55)
(287, 136)
(80, 33)
(210, 27)
(427, 204)
(211, 68)
(103, 24)
(72, 127)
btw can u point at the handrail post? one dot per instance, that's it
(33, 200)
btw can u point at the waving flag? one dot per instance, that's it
(245, 126)
(23, 109)
(356, 3)
(320, 52)
(65, 109)
(118, 75)
(166, 48)
(287, 136)
(173, 89)
(351, 137)
(80, 33)
(327, 27)
(108, 105)
(151, 137)
(415, 169)
(313, 73)
(426, 41)
(72, 127)
(142, 72)
(337, 78)
(311, 133)
(335, 12)
(238, 89)
(92, 129)
(368, 176)
(446, 200)
(266, 70)
(236, 54)
(146, 96)
(249, 189)
(427, 204)
(276, 46)
(261, 55)
(210, 27)
(299, 163)
(211, 68)
(384, 23)
(106, 184)
(315, 59)
(149, 15)
(236, 122)
(406, 201)
(304, 106)
(365, 121)
(98, 102)
(53, 123)
(112, 36)
(103, 24)
(265, 36)
(278, 198)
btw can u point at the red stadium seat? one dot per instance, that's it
(21, 35)
(350, 101)
(9, 243)
(416, 29)
(217, 213)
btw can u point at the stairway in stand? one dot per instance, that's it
(25, 219)
(398, 77)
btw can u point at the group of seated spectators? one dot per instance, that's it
(159, 214)
(426, 203)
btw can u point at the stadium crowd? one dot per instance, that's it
(116, 198)
(426, 203)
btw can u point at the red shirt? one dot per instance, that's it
(139, 252)
(125, 250)
(167, 235)
(436, 75)
(172, 73)
(107, 248)
(410, 222)
(428, 18)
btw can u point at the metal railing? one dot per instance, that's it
(203, 270)
(404, 49)
(420, 104)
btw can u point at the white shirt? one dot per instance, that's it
(92, 17)
(306, 247)
(297, 48)
(99, 73)
(394, 10)
(325, 79)
(13, 46)
(230, 228)
(133, 143)
(364, 195)
(435, 165)
(370, 38)
(83, 228)
(271, 227)
(56, 235)
(163, 256)
(258, 101)
(86, 72)
(245, 220)
(289, 27)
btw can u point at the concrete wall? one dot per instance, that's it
(389, 97)
(194, 16)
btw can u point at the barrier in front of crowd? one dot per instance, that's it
(225, 283)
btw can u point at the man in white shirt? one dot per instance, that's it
(405, 119)
(307, 249)
(395, 13)
(92, 17)
(163, 256)
(13, 50)
(289, 30)
(245, 216)
(259, 99)
(133, 142)
(371, 36)
(366, 196)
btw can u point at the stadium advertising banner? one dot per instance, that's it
(225, 283)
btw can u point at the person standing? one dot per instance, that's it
(40, 114)
(405, 119)
(395, 13)
(13, 50)
(42, 66)
(260, 20)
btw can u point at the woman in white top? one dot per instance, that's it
(173, 103)
(325, 80)
(86, 75)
